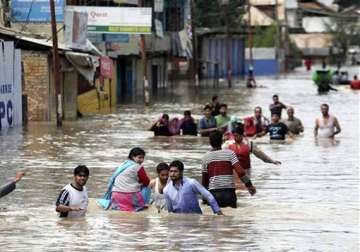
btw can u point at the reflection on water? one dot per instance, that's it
(310, 202)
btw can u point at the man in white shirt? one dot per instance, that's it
(73, 198)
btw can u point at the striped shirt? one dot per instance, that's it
(218, 169)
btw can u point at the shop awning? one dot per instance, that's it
(85, 64)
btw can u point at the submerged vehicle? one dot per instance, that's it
(322, 79)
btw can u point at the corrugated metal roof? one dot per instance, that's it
(25, 37)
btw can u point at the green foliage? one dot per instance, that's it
(209, 13)
(345, 32)
(264, 37)
(347, 3)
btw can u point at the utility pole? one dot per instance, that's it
(250, 42)
(6, 13)
(278, 30)
(194, 45)
(56, 66)
(225, 7)
(144, 60)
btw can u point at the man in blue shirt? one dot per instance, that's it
(181, 192)
(207, 124)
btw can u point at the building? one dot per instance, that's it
(38, 86)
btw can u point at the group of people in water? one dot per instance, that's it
(215, 118)
(224, 168)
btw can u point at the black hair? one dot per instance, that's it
(216, 138)
(187, 113)
(257, 107)
(178, 164)
(207, 106)
(214, 97)
(162, 167)
(223, 105)
(355, 77)
(275, 95)
(165, 116)
(81, 169)
(136, 152)
(325, 105)
(239, 129)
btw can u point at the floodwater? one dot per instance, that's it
(309, 203)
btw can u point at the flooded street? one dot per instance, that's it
(309, 203)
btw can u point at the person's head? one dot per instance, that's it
(324, 109)
(275, 98)
(174, 121)
(162, 170)
(81, 175)
(137, 155)
(207, 110)
(355, 77)
(215, 99)
(238, 133)
(187, 114)
(176, 170)
(336, 72)
(275, 118)
(216, 138)
(290, 112)
(223, 109)
(258, 112)
(165, 118)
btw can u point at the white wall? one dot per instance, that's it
(261, 53)
(315, 24)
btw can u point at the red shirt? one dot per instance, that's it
(243, 153)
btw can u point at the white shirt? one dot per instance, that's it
(73, 197)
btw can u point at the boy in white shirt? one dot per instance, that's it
(73, 198)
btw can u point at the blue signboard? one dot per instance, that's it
(120, 38)
(36, 10)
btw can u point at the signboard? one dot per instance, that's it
(106, 67)
(36, 10)
(158, 5)
(116, 19)
(131, 47)
(10, 86)
(76, 29)
(133, 2)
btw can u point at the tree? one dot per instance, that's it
(345, 31)
(347, 3)
(209, 13)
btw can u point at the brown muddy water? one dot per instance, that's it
(309, 203)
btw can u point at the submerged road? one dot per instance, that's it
(309, 203)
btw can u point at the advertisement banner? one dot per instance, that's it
(36, 10)
(10, 86)
(116, 19)
(75, 29)
(106, 67)
(131, 47)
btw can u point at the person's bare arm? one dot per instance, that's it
(337, 127)
(261, 155)
(65, 209)
(301, 127)
(316, 128)
(152, 183)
